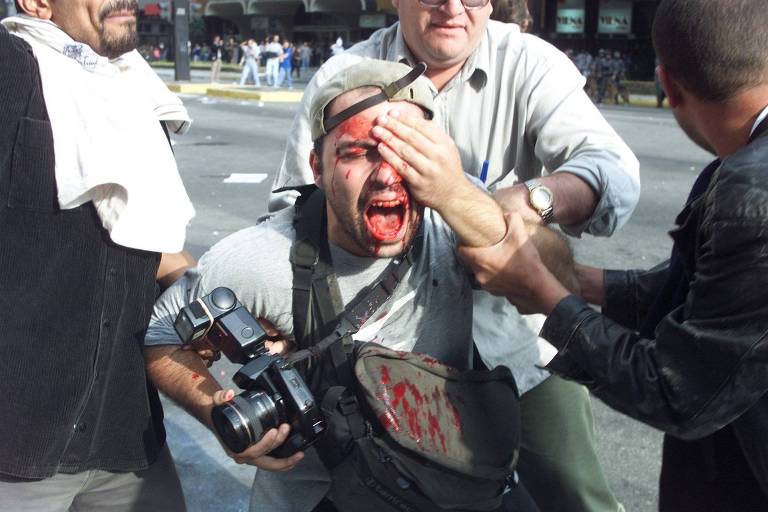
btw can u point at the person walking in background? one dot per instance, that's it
(296, 60)
(250, 62)
(273, 52)
(305, 53)
(660, 94)
(286, 63)
(603, 72)
(217, 55)
(337, 47)
(232, 48)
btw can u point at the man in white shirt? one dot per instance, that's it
(515, 106)
(273, 51)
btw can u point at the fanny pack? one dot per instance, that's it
(405, 432)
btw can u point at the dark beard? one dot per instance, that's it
(115, 45)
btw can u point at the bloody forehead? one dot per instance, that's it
(357, 128)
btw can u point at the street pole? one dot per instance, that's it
(181, 39)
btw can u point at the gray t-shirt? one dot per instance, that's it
(430, 312)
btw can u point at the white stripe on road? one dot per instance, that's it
(239, 177)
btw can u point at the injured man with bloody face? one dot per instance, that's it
(370, 211)
(389, 177)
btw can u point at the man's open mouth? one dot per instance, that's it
(386, 218)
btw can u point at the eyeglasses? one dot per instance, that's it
(469, 5)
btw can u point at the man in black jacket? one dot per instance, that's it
(683, 347)
(80, 427)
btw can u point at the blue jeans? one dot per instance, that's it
(284, 73)
(251, 68)
(271, 71)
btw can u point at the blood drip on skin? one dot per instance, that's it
(333, 176)
(195, 376)
(346, 176)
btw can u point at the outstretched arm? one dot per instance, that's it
(532, 266)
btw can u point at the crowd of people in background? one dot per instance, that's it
(605, 74)
(276, 59)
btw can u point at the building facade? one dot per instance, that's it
(316, 21)
(591, 25)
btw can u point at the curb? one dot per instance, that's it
(234, 92)
(289, 96)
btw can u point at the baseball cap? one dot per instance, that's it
(397, 81)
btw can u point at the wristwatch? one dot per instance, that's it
(541, 199)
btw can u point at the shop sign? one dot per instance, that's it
(570, 17)
(615, 17)
(373, 20)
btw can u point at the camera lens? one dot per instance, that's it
(241, 421)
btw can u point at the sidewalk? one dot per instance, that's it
(228, 86)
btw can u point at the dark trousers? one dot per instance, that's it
(516, 500)
(708, 475)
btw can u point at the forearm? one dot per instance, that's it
(184, 378)
(663, 382)
(474, 216)
(172, 267)
(575, 199)
(591, 284)
(556, 255)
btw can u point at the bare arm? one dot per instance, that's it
(183, 377)
(592, 284)
(574, 199)
(514, 268)
(172, 266)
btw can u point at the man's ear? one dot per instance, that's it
(671, 87)
(396, 4)
(317, 168)
(37, 8)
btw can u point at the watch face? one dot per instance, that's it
(541, 198)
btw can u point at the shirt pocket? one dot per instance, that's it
(33, 177)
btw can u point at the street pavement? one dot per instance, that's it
(232, 137)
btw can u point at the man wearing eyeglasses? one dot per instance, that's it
(516, 108)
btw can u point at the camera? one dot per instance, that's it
(274, 391)
(219, 322)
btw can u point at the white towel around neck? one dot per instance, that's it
(108, 143)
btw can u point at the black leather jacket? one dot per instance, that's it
(707, 366)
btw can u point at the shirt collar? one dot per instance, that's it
(759, 120)
(475, 69)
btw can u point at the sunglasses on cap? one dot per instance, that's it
(470, 5)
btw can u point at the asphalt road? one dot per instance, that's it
(230, 137)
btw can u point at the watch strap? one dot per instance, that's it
(547, 214)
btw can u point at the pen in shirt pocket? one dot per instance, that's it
(484, 171)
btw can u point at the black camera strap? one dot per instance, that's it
(314, 284)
